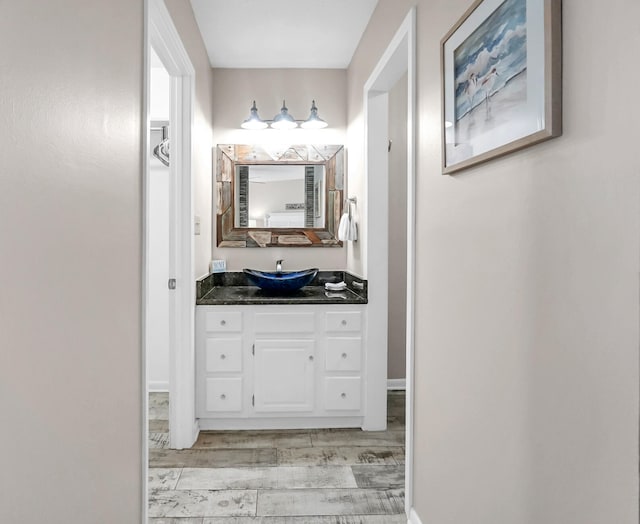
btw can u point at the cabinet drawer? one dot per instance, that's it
(224, 322)
(343, 354)
(224, 355)
(342, 393)
(343, 321)
(223, 394)
(285, 322)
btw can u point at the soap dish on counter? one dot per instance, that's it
(335, 286)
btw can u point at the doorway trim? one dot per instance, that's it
(398, 58)
(165, 40)
(162, 35)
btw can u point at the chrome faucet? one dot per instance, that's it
(279, 266)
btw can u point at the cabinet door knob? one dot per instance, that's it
(343, 395)
(223, 396)
(311, 357)
(344, 355)
(223, 322)
(223, 356)
(344, 322)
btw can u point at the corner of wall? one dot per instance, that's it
(413, 517)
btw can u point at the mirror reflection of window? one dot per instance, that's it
(280, 196)
(242, 205)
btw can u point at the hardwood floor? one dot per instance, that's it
(319, 476)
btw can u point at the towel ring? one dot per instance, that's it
(348, 202)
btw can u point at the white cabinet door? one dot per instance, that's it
(284, 375)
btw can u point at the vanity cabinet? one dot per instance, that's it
(280, 366)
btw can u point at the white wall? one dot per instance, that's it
(157, 337)
(159, 89)
(526, 290)
(202, 143)
(398, 110)
(71, 235)
(234, 92)
(70, 253)
(157, 312)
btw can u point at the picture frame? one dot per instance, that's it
(501, 69)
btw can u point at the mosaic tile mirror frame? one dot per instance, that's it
(311, 220)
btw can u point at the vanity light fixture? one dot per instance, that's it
(314, 121)
(284, 120)
(254, 121)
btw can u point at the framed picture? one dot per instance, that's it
(502, 80)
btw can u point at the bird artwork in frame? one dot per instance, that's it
(501, 73)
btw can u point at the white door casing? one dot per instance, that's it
(164, 39)
(399, 58)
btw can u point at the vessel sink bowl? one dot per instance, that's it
(284, 281)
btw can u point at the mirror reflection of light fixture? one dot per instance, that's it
(314, 121)
(254, 121)
(284, 120)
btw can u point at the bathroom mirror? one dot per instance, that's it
(288, 196)
(275, 196)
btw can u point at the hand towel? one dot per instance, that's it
(343, 228)
(352, 233)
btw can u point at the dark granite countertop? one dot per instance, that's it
(232, 288)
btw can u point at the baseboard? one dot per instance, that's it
(275, 423)
(413, 517)
(158, 386)
(397, 383)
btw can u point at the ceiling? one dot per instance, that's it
(282, 33)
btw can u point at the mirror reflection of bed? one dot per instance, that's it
(281, 219)
(280, 196)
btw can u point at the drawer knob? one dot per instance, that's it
(344, 355)
(223, 396)
(223, 322)
(223, 356)
(311, 357)
(344, 322)
(343, 395)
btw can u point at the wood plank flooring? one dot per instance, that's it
(321, 476)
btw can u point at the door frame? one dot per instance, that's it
(162, 35)
(398, 58)
(165, 40)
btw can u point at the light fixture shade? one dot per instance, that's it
(314, 121)
(283, 120)
(254, 121)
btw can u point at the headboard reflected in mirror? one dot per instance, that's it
(287, 196)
